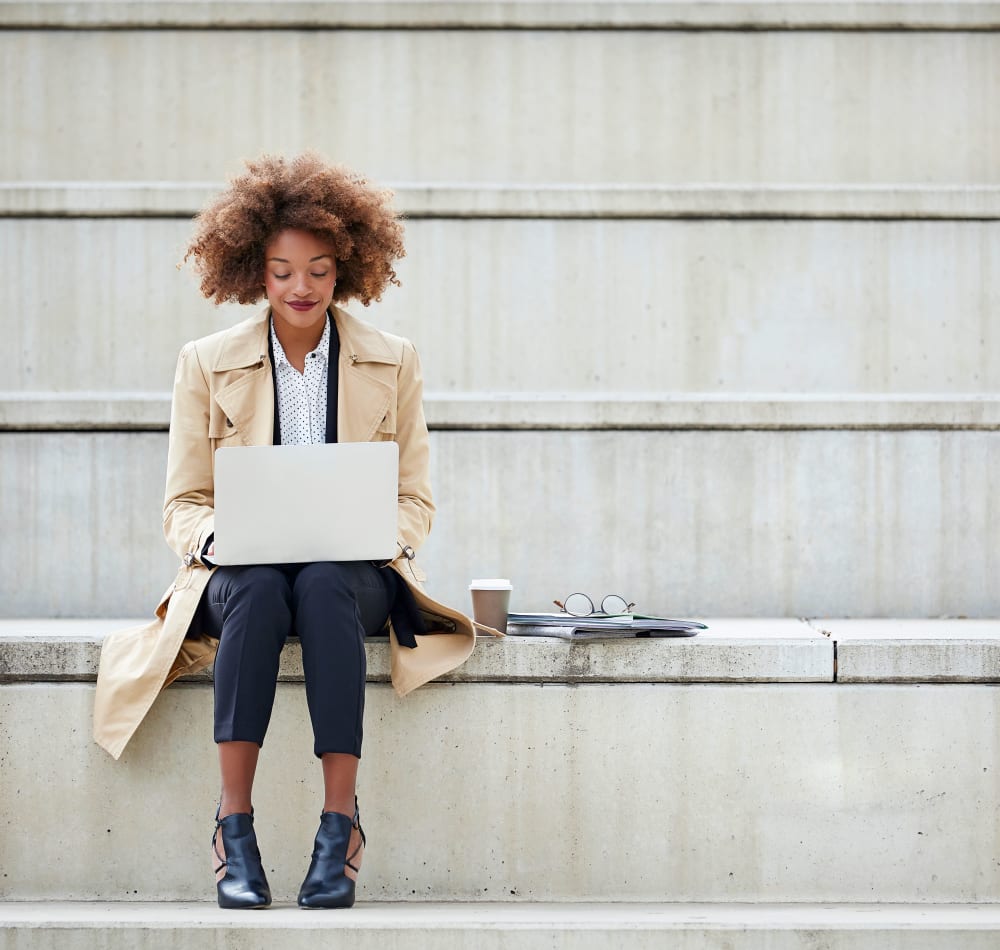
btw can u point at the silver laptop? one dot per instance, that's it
(277, 504)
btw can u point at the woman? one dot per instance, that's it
(303, 235)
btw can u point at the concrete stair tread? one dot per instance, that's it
(528, 926)
(914, 629)
(736, 650)
(123, 410)
(535, 915)
(442, 199)
(520, 14)
(751, 650)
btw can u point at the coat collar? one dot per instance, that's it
(360, 342)
(246, 343)
(366, 379)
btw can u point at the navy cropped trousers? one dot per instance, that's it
(330, 607)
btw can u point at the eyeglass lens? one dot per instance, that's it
(578, 605)
(615, 604)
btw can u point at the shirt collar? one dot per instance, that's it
(322, 348)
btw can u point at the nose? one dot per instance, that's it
(301, 288)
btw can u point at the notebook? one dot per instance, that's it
(277, 504)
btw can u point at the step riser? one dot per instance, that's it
(751, 523)
(668, 305)
(463, 105)
(504, 792)
(430, 937)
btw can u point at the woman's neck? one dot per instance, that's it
(298, 342)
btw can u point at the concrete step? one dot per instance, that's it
(756, 650)
(764, 650)
(462, 105)
(444, 926)
(549, 773)
(491, 200)
(731, 650)
(109, 411)
(515, 14)
(698, 522)
(757, 306)
(913, 651)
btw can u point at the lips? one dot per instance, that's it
(302, 305)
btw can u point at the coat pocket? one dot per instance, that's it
(161, 606)
(181, 582)
(386, 429)
(220, 426)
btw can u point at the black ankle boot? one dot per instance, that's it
(327, 884)
(245, 885)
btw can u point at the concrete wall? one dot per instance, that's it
(585, 793)
(816, 217)
(630, 223)
(600, 306)
(723, 523)
(505, 105)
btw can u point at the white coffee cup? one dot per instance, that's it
(491, 601)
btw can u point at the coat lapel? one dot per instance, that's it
(366, 379)
(246, 397)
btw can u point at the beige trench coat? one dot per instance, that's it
(223, 395)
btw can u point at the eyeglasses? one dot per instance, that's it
(580, 605)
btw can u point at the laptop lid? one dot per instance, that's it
(277, 504)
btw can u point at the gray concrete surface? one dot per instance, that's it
(814, 307)
(88, 410)
(75, 926)
(757, 792)
(104, 199)
(606, 14)
(731, 650)
(742, 792)
(746, 523)
(946, 651)
(462, 105)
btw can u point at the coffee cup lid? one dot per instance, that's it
(491, 583)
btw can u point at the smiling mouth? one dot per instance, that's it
(302, 305)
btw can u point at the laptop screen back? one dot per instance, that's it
(278, 504)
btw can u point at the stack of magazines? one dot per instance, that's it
(599, 626)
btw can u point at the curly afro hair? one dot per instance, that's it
(306, 193)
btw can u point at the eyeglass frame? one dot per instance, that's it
(594, 612)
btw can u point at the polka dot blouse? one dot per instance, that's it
(302, 396)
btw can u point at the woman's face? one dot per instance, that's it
(299, 273)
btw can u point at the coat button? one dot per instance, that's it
(188, 559)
